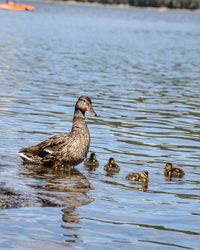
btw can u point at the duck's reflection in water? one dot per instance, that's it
(144, 187)
(91, 169)
(69, 215)
(58, 187)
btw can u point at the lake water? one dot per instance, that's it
(142, 70)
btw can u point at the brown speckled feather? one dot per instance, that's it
(51, 144)
(74, 149)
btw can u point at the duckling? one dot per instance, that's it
(111, 166)
(68, 149)
(170, 172)
(144, 177)
(141, 177)
(92, 161)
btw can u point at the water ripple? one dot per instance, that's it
(142, 74)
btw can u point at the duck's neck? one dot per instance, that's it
(78, 115)
(79, 123)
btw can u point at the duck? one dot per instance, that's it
(111, 166)
(170, 171)
(67, 149)
(92, 161)
(141, 177)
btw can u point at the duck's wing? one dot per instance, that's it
(44, 148)
(53, 143)
(61, 151)
(63, 154)
(178, 172)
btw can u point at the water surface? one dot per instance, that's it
(141, 69)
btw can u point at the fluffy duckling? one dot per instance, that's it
(92, 161)
(141, 177)
(111, 166)
(170, 171)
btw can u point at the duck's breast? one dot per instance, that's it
(78, 146)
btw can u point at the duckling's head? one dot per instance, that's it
(168, 166)
(111, 161)
(145, 174)
(93, 157)
(84, 104)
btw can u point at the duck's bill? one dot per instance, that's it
(91, 111)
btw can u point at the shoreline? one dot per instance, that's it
(120, 6)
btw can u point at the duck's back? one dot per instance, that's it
(177, 172)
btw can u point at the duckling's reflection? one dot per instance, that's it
(91, 170)
(141, 178)
(144, 186)
(58, 187)
(110, 173)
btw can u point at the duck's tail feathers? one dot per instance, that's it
(25, 157)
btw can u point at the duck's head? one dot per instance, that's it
(111, 161)
(84, 104)
(93, 157)
(168, 167)
(145, 174)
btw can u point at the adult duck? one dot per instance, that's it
(68, 149)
